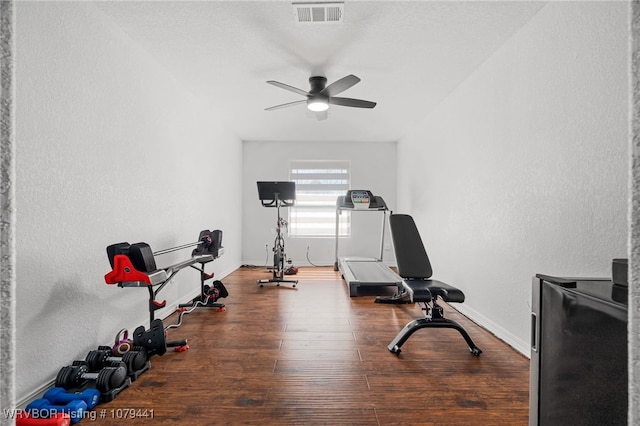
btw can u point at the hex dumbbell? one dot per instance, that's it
(43, 408)
(62, 396)
(76, 375)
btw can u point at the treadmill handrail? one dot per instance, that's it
(341, 206)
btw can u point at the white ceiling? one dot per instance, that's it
(409, 55)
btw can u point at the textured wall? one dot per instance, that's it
(111, 147)
(634, 219)
(7, 204)
(372, 167)
(523, 169)
(6, 392)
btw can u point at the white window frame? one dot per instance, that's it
(319, 183)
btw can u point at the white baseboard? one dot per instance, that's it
(36, 394)
(509, 338)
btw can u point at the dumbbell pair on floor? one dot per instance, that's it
(101, 370)
(74, 404)
(59, 400)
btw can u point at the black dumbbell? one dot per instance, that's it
(134, 360)
(154, 340)
(111, 377)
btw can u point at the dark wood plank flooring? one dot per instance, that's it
(313, 355)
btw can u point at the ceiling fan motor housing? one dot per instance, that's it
(317, 84)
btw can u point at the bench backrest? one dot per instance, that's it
(411, 256)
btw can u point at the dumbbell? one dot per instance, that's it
(110, 377)
(154, 340)
(26, 419)
(134, 360)
(42, 408)
(61, 396)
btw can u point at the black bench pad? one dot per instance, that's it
(424, 290)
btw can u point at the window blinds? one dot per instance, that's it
(318, 185)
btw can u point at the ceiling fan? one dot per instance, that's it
(320, 97)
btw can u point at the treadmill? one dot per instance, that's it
(361, 271)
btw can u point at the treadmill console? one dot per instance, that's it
(359, 199)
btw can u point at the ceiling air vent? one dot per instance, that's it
(312, 13)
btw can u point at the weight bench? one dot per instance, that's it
(417, 286)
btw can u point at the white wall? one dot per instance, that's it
(523, 168)
(373, 167)
(110, 148)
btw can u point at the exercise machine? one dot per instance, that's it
(134, 265)
(277, 194)
(417, 286)
(362, 271)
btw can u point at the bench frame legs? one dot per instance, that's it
(434, 319)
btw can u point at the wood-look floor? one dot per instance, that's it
(313, 355)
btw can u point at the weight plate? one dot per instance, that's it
(63, 379)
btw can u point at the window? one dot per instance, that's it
(318, 185)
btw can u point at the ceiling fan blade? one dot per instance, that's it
(289, 88)
(286, 105)
(348, 102)
(341, 85)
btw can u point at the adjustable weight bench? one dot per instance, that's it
(417, 286)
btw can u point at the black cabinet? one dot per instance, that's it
(578, 352)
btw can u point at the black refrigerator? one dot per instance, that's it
(578, 352)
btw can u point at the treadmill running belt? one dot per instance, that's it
(373, 273)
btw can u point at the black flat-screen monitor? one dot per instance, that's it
(273, 193)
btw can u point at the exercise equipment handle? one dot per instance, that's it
(172, 249)
(123, 271)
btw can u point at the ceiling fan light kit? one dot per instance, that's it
(320, 96)
(317, 104)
